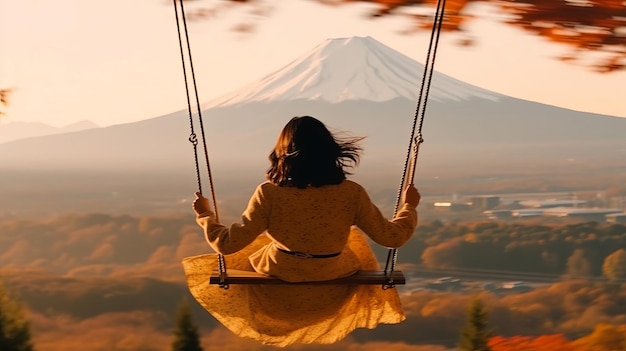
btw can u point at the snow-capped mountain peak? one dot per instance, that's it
(356, 68)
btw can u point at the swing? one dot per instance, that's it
(360, 277)
(387, 278)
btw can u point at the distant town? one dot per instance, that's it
(597, 207)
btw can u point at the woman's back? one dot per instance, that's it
(317, 220)
(314, 219)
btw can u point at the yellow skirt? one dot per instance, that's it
(284, 314)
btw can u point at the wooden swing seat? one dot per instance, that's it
(359, 278)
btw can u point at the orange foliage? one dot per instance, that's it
(581, 25)
(604, 338)
(585, 25)
(528, 343)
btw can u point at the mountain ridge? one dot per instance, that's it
(20, 130)
(478, 124)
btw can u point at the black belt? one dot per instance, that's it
(306, 255)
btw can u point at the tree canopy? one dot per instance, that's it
(614, 266)
(4, 100)
(582, 25)
(14, 328)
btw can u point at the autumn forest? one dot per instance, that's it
(88, 279)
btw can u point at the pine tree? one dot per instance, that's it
(14, 328)
(186, 336)
(475, 334)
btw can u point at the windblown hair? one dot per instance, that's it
(307, 153)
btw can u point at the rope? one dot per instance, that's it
(193, 137)
(416, 139)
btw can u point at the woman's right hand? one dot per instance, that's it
(412, 196)
(201, 205)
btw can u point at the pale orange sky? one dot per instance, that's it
(118, 61)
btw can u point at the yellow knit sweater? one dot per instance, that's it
(314, 220)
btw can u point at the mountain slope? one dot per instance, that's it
(20, 130)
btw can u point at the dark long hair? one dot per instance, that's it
(307, 153)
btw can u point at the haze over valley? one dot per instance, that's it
(475, 140)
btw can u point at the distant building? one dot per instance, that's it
(517, 287)
(485, 202)
(551, 203)
(452, 206)
(616, 218)
(498, 214)
(526, 212)
(589, 214)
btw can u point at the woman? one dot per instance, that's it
(303, 224)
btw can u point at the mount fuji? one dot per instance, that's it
(357, 68)
(352, 84)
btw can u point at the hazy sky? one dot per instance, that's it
(118, 61)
